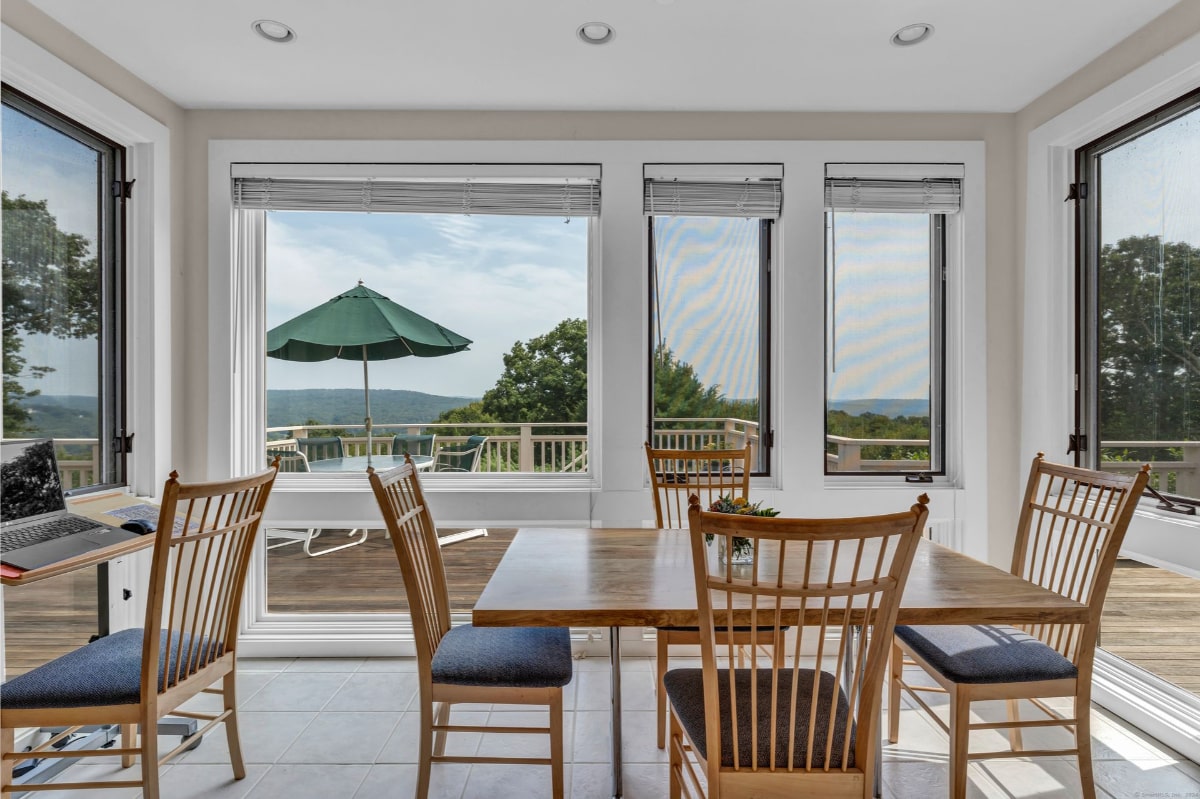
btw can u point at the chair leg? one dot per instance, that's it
(557, 784)
(675, 768)
(960, 736)
(896, 669)
(425, 748)
(1083, 742)
(660, 693)
(148, 740)
(442, 718)
(7, 745)
(1014, 733)
(229, 691)
(128, 741)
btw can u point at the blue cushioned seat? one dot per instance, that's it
(685, 690)
(532, 657)
(107, 671)
(982, 653)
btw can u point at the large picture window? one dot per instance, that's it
(62, 275)
(710, 233)
(1139, 342)
(885, 237)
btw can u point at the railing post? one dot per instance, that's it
(525, 449)
(1187, 481)
(849, 457)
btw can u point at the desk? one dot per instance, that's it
(643, 578)
(358, 463)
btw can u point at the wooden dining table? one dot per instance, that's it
(610, 577)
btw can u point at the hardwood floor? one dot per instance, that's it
(1152, 619)
(366, 578)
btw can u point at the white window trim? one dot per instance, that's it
(1048, 355)
(41, 75)
(616, 493)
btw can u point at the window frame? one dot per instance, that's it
(766, 257)
(112, 256)
(938, 429)
(1085, 442)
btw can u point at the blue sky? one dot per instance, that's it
(494, 279)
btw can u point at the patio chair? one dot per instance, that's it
(292, 462)
(1069, 532)
(412, 444)
(319, 449)
(136, 676)
(460, 457)
(675, 474)
(489, 665)
(791, 730)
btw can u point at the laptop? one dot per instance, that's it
(35, 527)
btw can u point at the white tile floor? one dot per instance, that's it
(346, 728)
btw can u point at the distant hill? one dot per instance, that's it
(338, 406)
(891, 408)
(68, 416)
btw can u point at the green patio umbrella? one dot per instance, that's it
(361, 325)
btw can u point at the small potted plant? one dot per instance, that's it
(743, 548)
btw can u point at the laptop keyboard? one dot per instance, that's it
(37, 533)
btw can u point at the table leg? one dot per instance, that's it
(614, 650)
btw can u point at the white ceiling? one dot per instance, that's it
(668, 55)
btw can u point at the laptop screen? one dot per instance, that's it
(29, 481)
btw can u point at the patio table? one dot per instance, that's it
(643, 578)
(358, 463)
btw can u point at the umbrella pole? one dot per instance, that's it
(367, 394)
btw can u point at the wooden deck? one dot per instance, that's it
(1152, 617)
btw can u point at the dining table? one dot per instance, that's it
(637, 577)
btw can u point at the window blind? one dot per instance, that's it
(732, 191)
(534, 197)
(894, 188)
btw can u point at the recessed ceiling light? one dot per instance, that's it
(596, 32)
(912, 34)
(273, 31)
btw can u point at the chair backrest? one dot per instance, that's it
(676, 474)
(319, 449)
(205, 537)
(1069, 533)
(414, 537)
(806, 572)
(461, 457)
(290, 460)
(411, 444)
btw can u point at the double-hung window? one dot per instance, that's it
(63, 280)
(710, 231)
(885, 310)
(1138, 349)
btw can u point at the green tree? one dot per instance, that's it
(544, 379)
(50, 286)
(1149, 341)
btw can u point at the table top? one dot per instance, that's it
(358, 463)
(639, 577)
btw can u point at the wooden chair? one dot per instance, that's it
(1069, 532)
(132, 678)
(808, 726)
(498, 665)
(675, 474)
